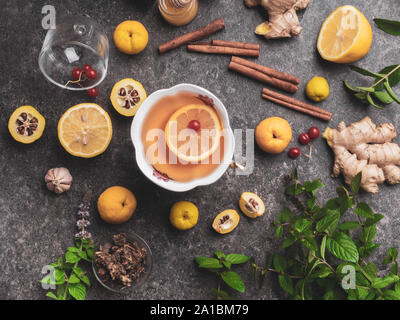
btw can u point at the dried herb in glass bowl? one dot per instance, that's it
(122, 264)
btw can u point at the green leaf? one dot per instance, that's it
(302, 225)
(348, 86)
(286, 283)
(219, 254)
(279, 263)
(313, 186)
(233, 280)
(371, 221)
(310, 243)
(237, 258)
(222, 295)
(208, 263)
(367, 89)
(328, 223)
(390, 91)
(364, 72)
(380, 283)
(356, 183)
(342, 247)
(73, 249)
(71, 257)
(367, 250)
(383, 97)
(74, 279)
(288, 241)
(294, 189)
(77, 291)
(394, 77)
(364, 210)
(285, 215)
(391, 295)
(361, 96)
(391, 256)
(279, 231)
(389, 26)
(51, 295)
(323, 247)
(349, 225)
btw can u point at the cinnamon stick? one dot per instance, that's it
(209, 29)
(297, 105)
(223, 50)
(235, 44)
(268, 71)
(254, 74)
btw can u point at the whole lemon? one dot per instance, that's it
(317, 89)
(184, 215)
(273, 135)
(131, 37)
(116, 205)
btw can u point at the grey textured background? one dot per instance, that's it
(37, 226)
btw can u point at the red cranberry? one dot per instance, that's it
(294, 152)
(313, 132)
(86, 67)
(93, 92)
(91, 74)
(76, 73)
(304, 138)
(195, 125)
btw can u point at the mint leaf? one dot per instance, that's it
(285, 215)
(391, 256)
(77, 291)
(364, 72)
(389, 26)
(349, 225)
(51, 295)
(74, 279)
(302, 225)
(391, 295)
(328, 223)
(364, 210)
(208, 263)
(233, 280)
(236, 258)
(313, 186)
(371, 221)
(286, 283)
(71, 257)
(380, 283)
(219, 254)
(288, 241)
(279, 263)
(342, 247)
(356, 183)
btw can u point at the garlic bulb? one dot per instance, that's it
(58, 180)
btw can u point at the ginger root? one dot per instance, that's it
(283, 21)
(364, 147)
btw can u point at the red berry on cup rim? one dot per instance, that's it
(76, 73)
(304, 138)
(86, 67)
(313, 132)
(294, 153)
(91, 74)
(194, 124)
(93, 92)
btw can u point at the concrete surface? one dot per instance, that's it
(37, 226)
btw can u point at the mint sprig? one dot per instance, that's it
(221, 265)
(320, 240)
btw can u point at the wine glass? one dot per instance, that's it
(76, 41)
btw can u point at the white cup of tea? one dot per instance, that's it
(161, 179)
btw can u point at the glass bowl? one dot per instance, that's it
(116, 287)
(75, 41)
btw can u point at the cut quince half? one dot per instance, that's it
(251, 205)
(226, 221)
(127, 96)
(26, 124)
(85, 130)
(188, 144)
